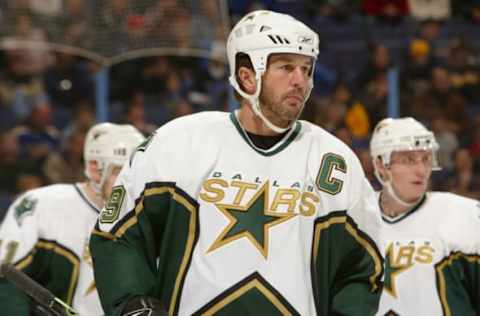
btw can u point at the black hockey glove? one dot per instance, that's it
(144, 306)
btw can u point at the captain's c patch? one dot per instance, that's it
(111, 210)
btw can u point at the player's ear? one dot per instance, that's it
(247, 80)
(381, 169)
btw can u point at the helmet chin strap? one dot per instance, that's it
(97, 186)
(391, 191)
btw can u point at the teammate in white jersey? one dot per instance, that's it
(431, 239)
(244, 213)
(46, 231)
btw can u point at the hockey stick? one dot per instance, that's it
(37, 292)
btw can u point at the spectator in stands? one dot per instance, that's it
(343, 133)
(378, 64)
(468, 10)
(135, 114)
(386, 11)
(429, 30)
(30, 60)
(416, 74)
(69, 80)
(367, 164)
(341, 113)
(168, 22)
(38, 137)
(13, 165)
(464, 72)
(83, 117)
(446, 139)
(326, 113)
(449, 144)
(77, 21)
(338, 10)
(357, 119)
(175, 99)
(210, 88)
(66, 165)
(441, 100)
(462, 179)
(371, 83)
(20, 86)
(205, 28)
(28, 181)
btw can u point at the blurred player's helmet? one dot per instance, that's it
(262, 33)
(109, 145)
(403, 134)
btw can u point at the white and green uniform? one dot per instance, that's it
(45, 233)
(238, 230)
(433, 258)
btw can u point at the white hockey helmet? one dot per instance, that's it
(402, 134)
(262, 33)
(109, 145)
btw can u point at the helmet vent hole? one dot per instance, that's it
(273, 39)
(277, 39)
(264, 28)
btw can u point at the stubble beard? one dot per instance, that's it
(279, 113)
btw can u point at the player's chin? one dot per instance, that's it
(416, 194)
(291, 115)
(293, 102)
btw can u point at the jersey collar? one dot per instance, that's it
(398, 218)
(281, 145)
(85, 198)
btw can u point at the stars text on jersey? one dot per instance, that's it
(250, 211)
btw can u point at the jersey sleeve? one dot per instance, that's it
(346, 247)
(458, 273)
(18, 236)
(125, 241)
(362, 268)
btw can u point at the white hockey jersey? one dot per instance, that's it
(46, 234)
(433, 258)
(240, 230)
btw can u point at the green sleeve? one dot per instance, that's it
(347, 267)
(147, 251)
(458, 284)
(121, 268)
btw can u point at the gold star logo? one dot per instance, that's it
(252, 221)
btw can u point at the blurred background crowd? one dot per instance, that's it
(47, 97)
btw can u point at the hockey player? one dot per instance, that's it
(46, 230)
(431, 239)
(245, 213)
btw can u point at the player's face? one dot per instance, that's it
(284, 87)
(410, 172)
(109, 181)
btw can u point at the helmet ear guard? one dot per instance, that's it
(109, 145)
(260, 34)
